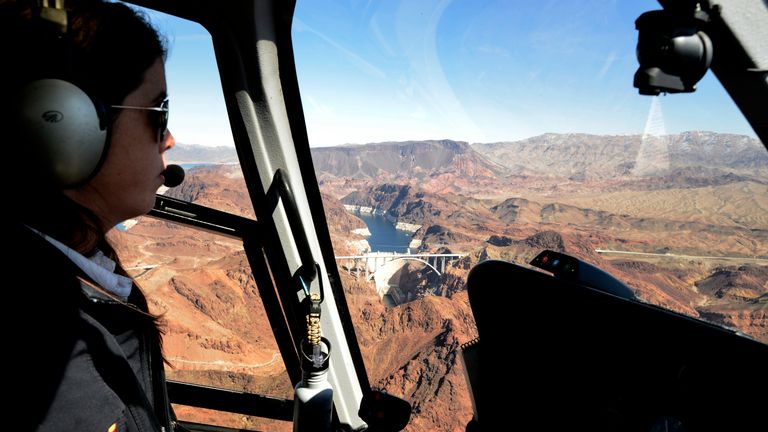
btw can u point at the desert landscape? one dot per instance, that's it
(682, 219)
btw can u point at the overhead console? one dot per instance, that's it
(558, 354)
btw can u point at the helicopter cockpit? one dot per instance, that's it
(616, 268)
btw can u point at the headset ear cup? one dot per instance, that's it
(62, 130)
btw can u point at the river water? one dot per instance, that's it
(384, 237)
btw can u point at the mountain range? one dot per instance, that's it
(579, 156)
(696, 203)
(196, 153)
(606, 156)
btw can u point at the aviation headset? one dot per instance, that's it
(61, 126)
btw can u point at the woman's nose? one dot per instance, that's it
(168, 142)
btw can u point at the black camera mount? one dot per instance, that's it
(673, 48)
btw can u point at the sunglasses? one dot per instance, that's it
(159, 117)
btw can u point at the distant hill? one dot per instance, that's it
(195, 153)
(684, 157)
(581, 156)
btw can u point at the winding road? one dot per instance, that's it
(275, 358)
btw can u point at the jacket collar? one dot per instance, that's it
(98, 267)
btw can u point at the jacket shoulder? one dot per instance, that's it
(43, 288)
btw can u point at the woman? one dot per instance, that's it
(87, 354)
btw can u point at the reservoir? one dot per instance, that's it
(187, 166)
(384, 237)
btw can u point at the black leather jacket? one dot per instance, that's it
(80, 359)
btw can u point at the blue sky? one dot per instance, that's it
(471, 70)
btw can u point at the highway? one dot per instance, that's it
(670, 255)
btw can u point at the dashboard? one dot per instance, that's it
(559, 355)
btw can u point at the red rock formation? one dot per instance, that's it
(205, 288)
(425, 369)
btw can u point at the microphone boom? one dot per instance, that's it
(174, 175)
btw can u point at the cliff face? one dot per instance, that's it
(416, 159)
(439, 166)
(398, 201)
(344, 228)
(425, 369)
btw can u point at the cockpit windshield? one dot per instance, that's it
(445, 133)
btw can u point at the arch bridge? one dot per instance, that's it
(372, 262)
